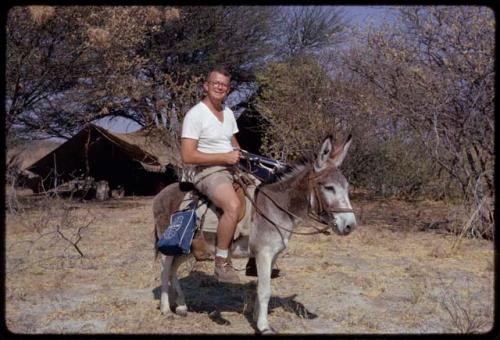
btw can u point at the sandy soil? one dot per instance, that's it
(388, 276)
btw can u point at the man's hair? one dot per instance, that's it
(219, 69)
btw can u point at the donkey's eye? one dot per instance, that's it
(330, 188)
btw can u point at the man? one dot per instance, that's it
(209, 145)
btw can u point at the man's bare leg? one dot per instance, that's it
(226, 199)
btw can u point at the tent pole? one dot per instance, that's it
(87, 167)
(55, 171)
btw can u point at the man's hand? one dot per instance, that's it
(233, 157)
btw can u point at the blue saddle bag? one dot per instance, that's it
(177, 238)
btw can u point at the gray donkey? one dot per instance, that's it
(317, 190)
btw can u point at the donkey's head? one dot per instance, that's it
(329, 188)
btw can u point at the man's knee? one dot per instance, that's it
(232, 207)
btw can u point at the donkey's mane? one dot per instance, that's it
(292, 173)
(306, 161)
(287, 179)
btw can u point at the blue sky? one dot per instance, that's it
(362, 15)
(356, 15)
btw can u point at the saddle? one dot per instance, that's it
(256, 169)
(209, 214)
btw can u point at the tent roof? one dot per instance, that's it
(146, 144)
(153, 149)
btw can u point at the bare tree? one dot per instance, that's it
(68, 66)
(434, 70)
(308, 29)
(55, 54)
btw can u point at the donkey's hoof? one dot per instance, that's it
(181, 310)
(167, 313)
(268, 331)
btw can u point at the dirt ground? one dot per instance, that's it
(388, 276)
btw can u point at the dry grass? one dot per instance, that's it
(466, 315)
(386, 277)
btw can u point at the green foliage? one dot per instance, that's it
(294, 98)
(395, 166)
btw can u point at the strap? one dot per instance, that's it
(193, 205)
(320, 204)
(278, 227)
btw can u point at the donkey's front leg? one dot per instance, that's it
(263, 261)
(166, 266)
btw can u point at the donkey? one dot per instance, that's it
(278, 207)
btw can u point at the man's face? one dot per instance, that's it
(217, 86)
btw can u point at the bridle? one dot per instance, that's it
(321, 208)
(315, 214)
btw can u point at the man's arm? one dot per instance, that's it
(234, 142)
(191, 155)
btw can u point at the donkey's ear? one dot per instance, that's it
(324, 154)
(337, 157)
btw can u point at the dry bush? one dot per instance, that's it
(465, 316)
(474, 221)
(56, 226)
(395, 166)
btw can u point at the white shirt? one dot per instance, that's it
(213, 136)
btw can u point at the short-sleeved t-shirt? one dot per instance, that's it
(212, 135)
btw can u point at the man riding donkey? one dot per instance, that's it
(209, 151)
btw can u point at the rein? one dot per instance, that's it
(315, 215)
(258, 210)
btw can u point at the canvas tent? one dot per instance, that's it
(140, 162)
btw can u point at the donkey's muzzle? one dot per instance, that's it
(342, 223)
(347, 229)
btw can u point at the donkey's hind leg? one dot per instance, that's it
(181, 308)
(166, 265)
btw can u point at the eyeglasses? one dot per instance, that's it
(218, 84)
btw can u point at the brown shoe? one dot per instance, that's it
(224, 271)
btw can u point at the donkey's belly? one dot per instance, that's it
(239, 247)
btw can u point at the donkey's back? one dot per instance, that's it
(167, 202)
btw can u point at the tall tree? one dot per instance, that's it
(307, 29)
(68, 66)
(295, 99)
(434, 69)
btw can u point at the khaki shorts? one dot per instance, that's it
(208, 178)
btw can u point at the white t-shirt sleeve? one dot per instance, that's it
(191, 126)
